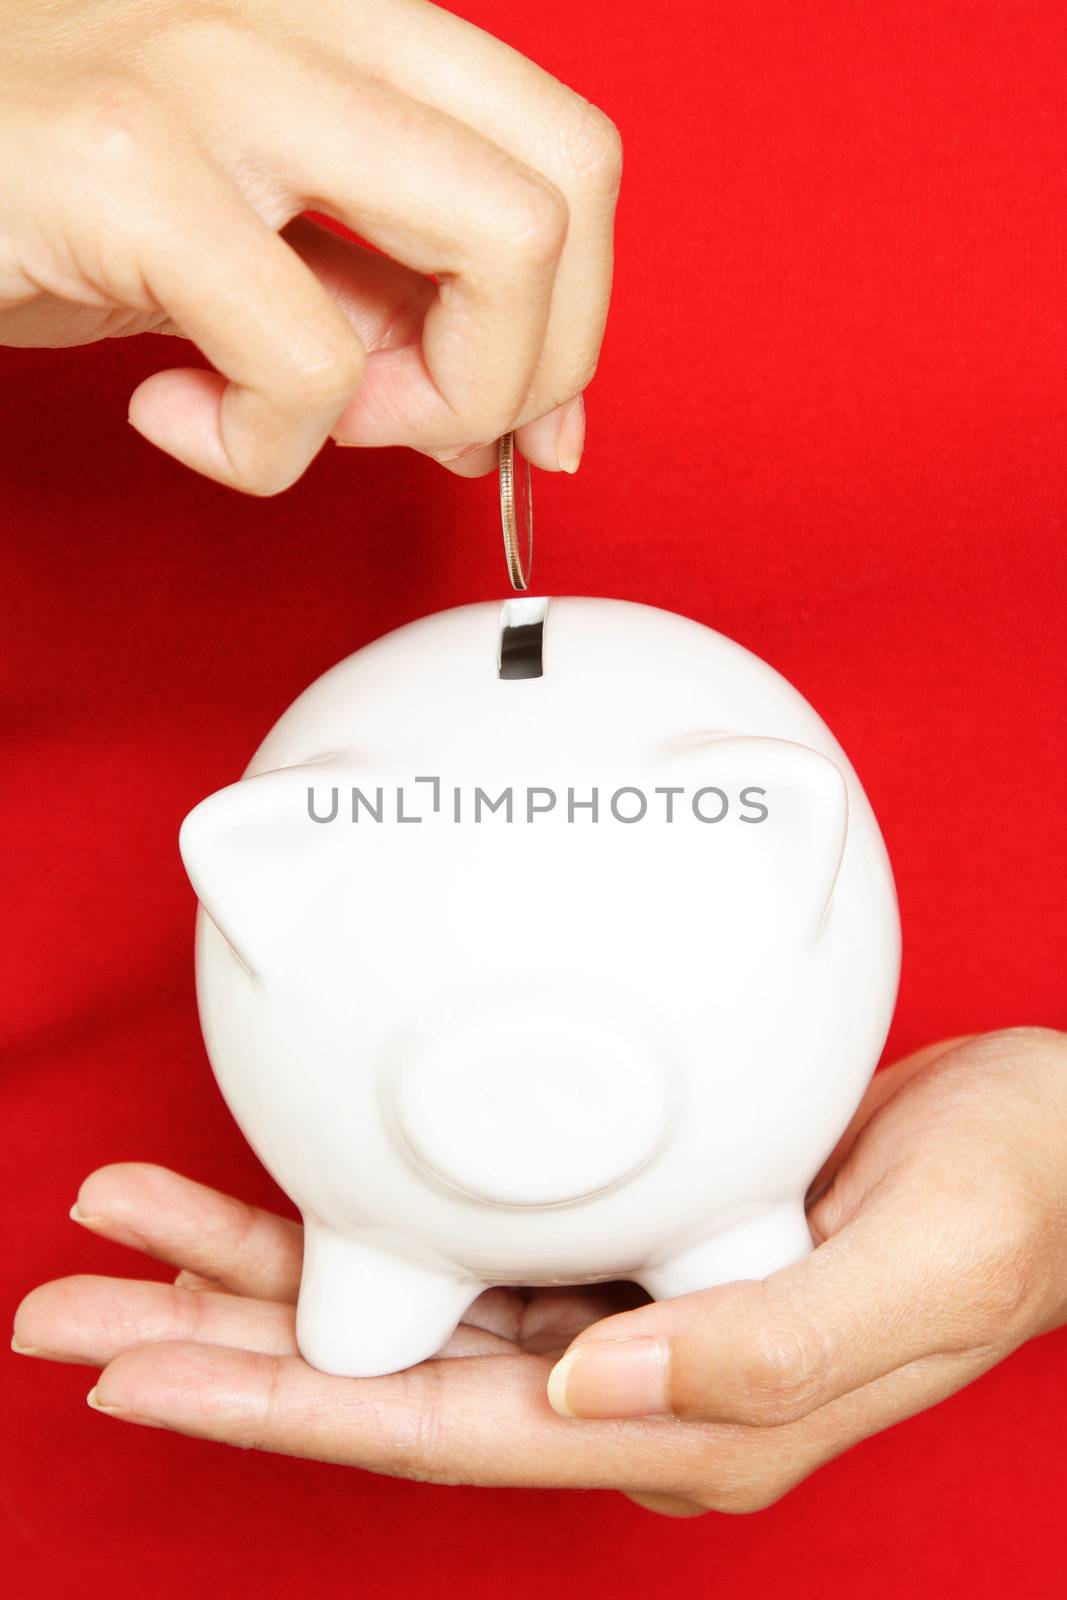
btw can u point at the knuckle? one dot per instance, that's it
(531, 223)
(781, 1376)
(329, 379)
(582, 375)
(260, 469)
(573, 375)
(480, 419)
(591, 147)
(993, 1234)
(999, 1290)
(233, 1236)
(114, 119)
(186, 1309)
(255, 1428)
(405, 1434)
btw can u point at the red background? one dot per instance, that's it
(829, 422)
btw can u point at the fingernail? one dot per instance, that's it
(570, 440)
(611, 1378)
(93, 1400)
(28, 1349)
(107, 1228)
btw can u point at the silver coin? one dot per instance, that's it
(516, 513)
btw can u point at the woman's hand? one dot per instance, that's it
(158, 159)
(941, 1225)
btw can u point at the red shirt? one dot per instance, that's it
(830, 422)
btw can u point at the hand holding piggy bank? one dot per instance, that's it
(551, 943)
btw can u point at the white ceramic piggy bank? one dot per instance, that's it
(531, 979)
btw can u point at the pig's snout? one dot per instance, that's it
(530, 1106)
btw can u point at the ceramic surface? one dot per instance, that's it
(543, 979)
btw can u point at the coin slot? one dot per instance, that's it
(522, 634)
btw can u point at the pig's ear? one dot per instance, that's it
(788, 821)
(242, 849)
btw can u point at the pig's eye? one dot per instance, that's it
(522, 633)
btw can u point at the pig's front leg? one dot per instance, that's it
(751, 1249)
(366, 1308)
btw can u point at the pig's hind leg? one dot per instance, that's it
(367, 1307)
(751, 1249)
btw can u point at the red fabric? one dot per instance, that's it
(829, 422)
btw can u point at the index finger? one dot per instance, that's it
(176, 233)
(471, 1420)
(551, 129)
(174, 1219)
(449, 204)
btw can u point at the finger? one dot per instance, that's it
(181, 238)
(387, 304)
(481, 1420)
(447, 203)
(555, 441)
(195, 1228)
(871, 1299)
(91, 1320)
(237, 1247)
(551, 130)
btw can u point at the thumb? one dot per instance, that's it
(871, 1299)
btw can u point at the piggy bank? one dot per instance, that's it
(544, 943)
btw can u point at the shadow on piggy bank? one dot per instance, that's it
(546, 943)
